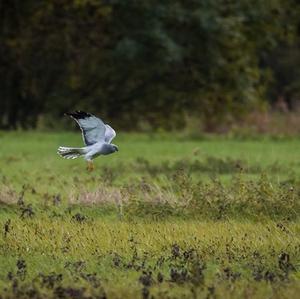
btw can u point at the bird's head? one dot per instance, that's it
(115, 148)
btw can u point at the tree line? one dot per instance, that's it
(150, 62)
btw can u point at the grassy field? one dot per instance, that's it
(165, 217)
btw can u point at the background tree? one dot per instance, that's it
(145, 61)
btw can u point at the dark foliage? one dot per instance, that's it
(138, 63)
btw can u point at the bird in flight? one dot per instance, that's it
(96, 135)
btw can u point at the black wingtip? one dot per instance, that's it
(78, 114)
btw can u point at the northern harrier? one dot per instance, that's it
(96, 135)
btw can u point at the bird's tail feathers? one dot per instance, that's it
(70, 152)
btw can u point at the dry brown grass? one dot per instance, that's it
(102, 195)
(7, 194)
(273, 123)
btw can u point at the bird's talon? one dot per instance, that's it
(90, 166)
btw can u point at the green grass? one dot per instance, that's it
(31, 157)
(165, 217)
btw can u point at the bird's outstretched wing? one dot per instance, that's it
(93, 128)
(110, 134)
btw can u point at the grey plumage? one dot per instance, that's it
(97, 137)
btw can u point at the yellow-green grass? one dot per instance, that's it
(220, 219)
(48, 245)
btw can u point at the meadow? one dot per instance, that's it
(166, 217)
